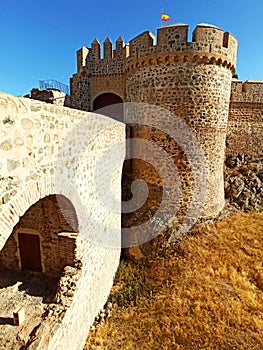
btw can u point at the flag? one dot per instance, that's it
(165, 17)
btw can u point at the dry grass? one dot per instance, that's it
(207, 295)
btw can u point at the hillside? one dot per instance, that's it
(205, 294)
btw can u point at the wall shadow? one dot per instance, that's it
(6, 320)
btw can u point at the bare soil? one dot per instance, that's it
(33, 291)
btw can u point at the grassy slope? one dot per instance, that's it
(207, 295)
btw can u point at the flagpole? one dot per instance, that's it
(161, 17)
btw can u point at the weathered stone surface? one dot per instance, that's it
(6, 145)
(244, 133)
(35, 107)
(244, 182)
(102, 316)
(50, 96)
(26, 123)
(18, 141)
(8, 121)
(12, 164)
(6, 198)
(30, 180)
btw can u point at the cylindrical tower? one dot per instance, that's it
(193, 81)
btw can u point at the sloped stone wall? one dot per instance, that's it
(47, 150)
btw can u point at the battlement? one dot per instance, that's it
(250, 91)
(218, 46)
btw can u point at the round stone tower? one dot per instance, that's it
(193, 81)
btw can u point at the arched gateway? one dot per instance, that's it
(109, 104)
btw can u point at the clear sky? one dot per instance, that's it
(39, 38)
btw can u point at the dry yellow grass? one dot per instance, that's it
(207, 295)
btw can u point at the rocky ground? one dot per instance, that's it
(29, 290)
(244, 183)
(45, 301)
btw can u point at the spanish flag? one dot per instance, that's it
(165, 17)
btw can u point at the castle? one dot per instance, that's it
(195, 81)
(56, 162)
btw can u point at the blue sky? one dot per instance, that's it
(39, 38)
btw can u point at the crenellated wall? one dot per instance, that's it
(189, 77)
(209, 44)
(206, 39)
(245, 122)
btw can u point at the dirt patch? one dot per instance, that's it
(32, 291)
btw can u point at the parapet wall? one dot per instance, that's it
(209, 46)
(250, 91)
(206, 38)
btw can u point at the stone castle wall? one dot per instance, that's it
(197, 93)
(215, 45)
(50, 150)
(245, 122)
(191, 79)
(211, 45)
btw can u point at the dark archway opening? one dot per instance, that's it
(44, 239)
(109, 104)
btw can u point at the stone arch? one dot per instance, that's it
(109, 104)
(106, 99)
(44, 239)
(23, 200)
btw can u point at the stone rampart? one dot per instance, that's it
(192, 80)
(48, 150)
(209, 45)
(245, 122)
(206, 39)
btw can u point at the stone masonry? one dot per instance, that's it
(50, 167)
(190, 79)
(244, 133)
(98, 75)
(57, 164)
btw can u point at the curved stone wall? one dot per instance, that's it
(191, 79)
(196, 89)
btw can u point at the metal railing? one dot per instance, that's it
(54, 84)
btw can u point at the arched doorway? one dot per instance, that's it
(109, 104)
(44, 239)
